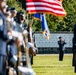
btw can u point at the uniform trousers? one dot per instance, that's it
(2, 65)
(74, 61)
(61, 55)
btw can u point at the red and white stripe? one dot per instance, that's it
(45, 6)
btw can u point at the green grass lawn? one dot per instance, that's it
(50, 65)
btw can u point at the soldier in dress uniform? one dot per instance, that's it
(21, 27)
(31, 46)
(13, 15)
(4, 37)
(61, 48)
(20, 21)
(11, 26)
(8, 18)
(74, 48)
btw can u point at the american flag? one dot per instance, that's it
(45, 6)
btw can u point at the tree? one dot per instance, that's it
(23, 3)
(55, 23)
(14, 3)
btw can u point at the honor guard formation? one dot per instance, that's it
(12, 41)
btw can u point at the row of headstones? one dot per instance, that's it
(41, 41)
(51, 44)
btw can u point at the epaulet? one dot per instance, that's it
(1, 21)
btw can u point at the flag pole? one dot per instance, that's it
(26, 38)
(26, 48)
(27, 70)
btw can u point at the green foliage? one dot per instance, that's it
(55, 23)
(13, 3)
(37, 25)
(23, 3)
(16, 4)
